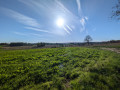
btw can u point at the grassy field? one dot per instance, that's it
(69, 68)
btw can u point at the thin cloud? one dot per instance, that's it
(37, 29)
(53, 8)
(27, 34)
(79, 6)
(18, 33)
(83, 19)
(20, 17)
(86, 18)
(65, 10)
(83, 22)
(36, 34)
(36, 5)
(41, 6)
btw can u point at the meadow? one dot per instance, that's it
(65, 68)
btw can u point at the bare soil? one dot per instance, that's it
(112, 49)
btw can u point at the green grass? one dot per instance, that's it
(70, 68)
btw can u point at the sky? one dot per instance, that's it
(57, 21)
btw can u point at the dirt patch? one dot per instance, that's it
(112, 49)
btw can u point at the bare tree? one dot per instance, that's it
(116, 11)
(88, 39)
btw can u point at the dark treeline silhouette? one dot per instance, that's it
(43, 44)
(114, 41)
(18, 44)
(4, 44)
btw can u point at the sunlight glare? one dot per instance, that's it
(60, 22)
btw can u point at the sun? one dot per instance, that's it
(60, 22)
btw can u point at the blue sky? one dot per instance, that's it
(36, 20)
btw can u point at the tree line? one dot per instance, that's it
(87, 41)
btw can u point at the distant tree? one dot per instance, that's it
(88, 39)
(116, 11)
(40, 44)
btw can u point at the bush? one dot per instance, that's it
(40, 44)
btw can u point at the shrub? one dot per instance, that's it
(40, 44)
